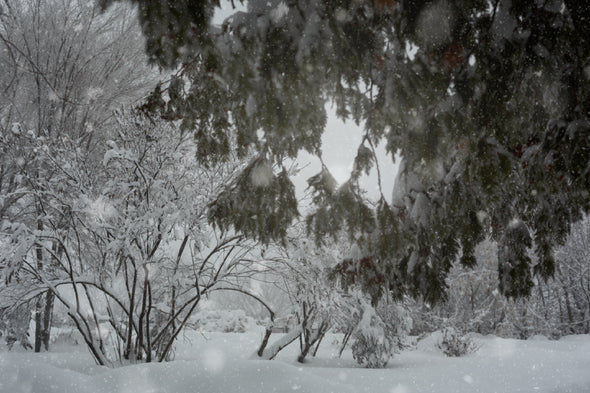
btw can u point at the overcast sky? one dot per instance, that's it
(339, 146)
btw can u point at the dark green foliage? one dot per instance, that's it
(367, 272)
(173, 27)
(488, 104)
(363, 162)
(259, 203)
(515, 278)
(337, 210)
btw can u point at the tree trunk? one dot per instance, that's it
(38, 323)
(345, 339)
(270, 352)
(315, 351)
(39, 304)
(306, 347)
(264, 343)
(311, 338)
(47, 318)
(43, 317)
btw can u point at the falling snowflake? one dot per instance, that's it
(261, 175)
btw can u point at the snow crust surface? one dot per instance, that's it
(224, 363)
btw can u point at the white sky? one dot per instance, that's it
(340, 143)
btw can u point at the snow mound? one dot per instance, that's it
(218, 363)
(26, 376)
(429, 343)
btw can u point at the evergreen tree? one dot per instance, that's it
(487, 101)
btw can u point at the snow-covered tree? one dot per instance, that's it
(302, 269)
(64, 68)
(555, 307)
(487, 102)
(319, 302)
(372, 347)
(137, 254)
(573, 276)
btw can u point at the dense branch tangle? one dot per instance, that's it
(130, 255)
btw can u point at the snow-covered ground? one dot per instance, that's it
(223, 363)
